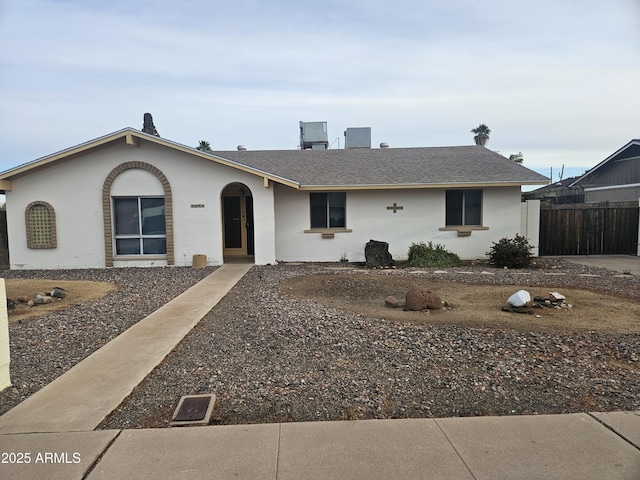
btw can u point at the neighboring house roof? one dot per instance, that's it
(341, 168)
(564, 183)
(630, 150)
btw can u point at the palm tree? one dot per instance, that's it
(482, 134)
(204, 146)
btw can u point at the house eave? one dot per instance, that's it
(45, 161)
(133, 138)
(612, 187)
(408, 186)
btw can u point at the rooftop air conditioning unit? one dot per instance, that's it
(314, 135)
(357, 137)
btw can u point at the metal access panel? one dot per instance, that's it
(357, 137)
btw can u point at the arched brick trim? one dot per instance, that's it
(106, 208)
(32, 235)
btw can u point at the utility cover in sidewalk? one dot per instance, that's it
(193, 410)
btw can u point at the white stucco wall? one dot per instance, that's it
(421, 218)
(74, 189)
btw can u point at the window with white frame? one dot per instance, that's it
(139, 226)
(328, 210)
(464, 207)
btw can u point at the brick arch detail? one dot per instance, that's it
(106, 208)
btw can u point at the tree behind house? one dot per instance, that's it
(481, 134)
(204, 146)
(516, 157)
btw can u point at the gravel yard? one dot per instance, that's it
(45, 347)
(275, 353)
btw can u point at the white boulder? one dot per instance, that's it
(519, 299)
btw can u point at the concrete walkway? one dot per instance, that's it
(618, 263)
(82, 397)
(579, 446)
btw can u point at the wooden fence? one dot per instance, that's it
(589, 229)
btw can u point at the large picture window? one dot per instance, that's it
(328, 210)
(464, 207)
(139, 226)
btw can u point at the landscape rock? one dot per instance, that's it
(58, 293)
(377, 254)
(391, 302)
(557, 297)
(421, 298)
(42, 299)
(519, 299)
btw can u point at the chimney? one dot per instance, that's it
(148, 126)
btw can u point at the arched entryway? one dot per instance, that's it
(237, 222)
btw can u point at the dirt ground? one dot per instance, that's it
(470, 304)
(77, 292)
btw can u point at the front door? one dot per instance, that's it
(237, 219)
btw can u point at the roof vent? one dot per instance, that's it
(359, 137)
(314, 135)
(384, 145)
(242, 148)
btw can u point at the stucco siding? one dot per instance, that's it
(74, 189)
(421, 219)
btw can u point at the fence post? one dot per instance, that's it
(530, 224)
(638, 227)
(5, 378)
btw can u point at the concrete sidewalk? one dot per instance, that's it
(578, 446)
(82, 397)
(618, 263)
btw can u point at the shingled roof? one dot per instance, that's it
(388, 167)
(425, 167)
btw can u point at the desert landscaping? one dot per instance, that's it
(300, 342)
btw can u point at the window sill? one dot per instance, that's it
(328, 232)
(463, 230)
(139, 257)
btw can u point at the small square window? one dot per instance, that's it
(328, 210)
(464, 207)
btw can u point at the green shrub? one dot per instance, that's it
(511, 252)
(428, 255)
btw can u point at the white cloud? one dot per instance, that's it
(555, 80)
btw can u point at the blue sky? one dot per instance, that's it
(554, 79)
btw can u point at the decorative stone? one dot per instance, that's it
(391, 302)
(557, 297)
(58, 293)
(519, 299)
(421, 298)
(377, 254)
(41, 300)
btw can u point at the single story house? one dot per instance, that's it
(615, 179)
(134, 199)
